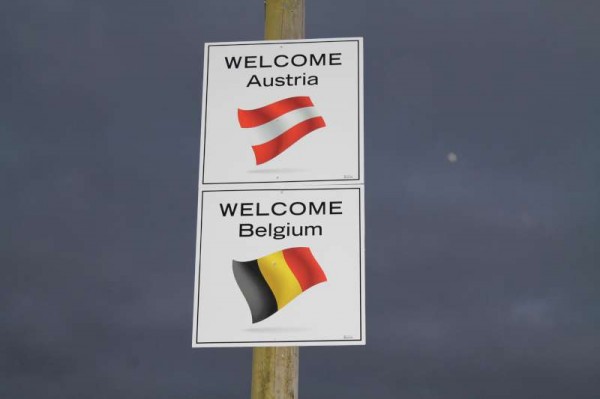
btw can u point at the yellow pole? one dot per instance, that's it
(275, 373)
(275, 369)
(284, 19)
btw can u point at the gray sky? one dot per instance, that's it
(482, 274)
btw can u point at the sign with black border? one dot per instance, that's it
(271, 239)
(287, 111)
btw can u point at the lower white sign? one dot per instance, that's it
(279, 267)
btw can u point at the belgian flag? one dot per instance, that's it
(271, 282)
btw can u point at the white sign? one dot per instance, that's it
(283, 111)
(280, 236)
(280, 267)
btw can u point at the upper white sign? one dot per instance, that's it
(283, 111)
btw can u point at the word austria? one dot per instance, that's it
(283, 61)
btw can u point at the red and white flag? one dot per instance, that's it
(279, 125)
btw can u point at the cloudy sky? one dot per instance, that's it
(482, 146)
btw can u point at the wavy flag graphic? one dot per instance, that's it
(271, 282)
(280, 125)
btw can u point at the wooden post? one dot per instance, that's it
(275, 373)
(275, 369)
(284, 19)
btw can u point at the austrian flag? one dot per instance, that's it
(279, 125)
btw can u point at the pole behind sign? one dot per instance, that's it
(275, 369)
